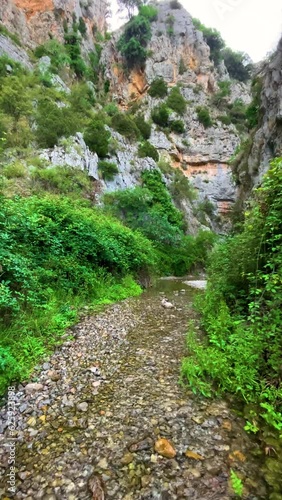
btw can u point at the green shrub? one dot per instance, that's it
(160, 115)
(158, 88)
(53, 122)
(225, 119)
(111, 109)
(237, 65)
(241, 311)
(181, 188)
(204, 116)
(57, 53)
(147, 149)
(61, 255)
(177, 126)
(6, 62)
(14, 170)
(82, 27)
(132, 44)
(176, 101)
(97, 138)
(72, 43)
(108, 170)
(62, 180)
(143, 126)
(149, 12)
(125, 126)
(253, 111)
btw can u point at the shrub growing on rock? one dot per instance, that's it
(125, 126)
(176, 101)
(204, 116)
(108, 169)
(158, 88)
(97, 138)
(147, 149)
(143, 126)
(160, 115)
(177, 126)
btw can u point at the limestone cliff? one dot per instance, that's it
(265, 142)
(35, 21)
(184, 59)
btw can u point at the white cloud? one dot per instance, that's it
(251, 26)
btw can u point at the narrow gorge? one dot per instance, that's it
(140, 257)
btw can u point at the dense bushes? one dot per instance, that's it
(143, 126)
(132, 44)
(176, 101)
(236, 65)
(158, 88)
(60, 255)
(160, 115)
(241, 312)
(147, 149)
(204, 116)
(97, 138)
(107, 169)
(125, 126)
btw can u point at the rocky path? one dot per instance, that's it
(88, 422)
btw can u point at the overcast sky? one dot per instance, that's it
(252, 26)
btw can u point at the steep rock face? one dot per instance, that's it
(35, 20)
(181, 56)
(7, 47)
(266, 140)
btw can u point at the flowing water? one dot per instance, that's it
(88, 425)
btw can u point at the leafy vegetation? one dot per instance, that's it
(97, 138)
(125, 125)
(160, 115)
(107, 169)
(204, 116)
(158, 88)
(176, 101)
(143, 126)
(238, 64)
(148, 150)
(177, 126)
(61, 254)
(241, 312)
(132, 43)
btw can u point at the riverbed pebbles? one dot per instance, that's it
(97, 407)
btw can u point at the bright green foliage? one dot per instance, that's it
(148, 150)
(14, 170)
(152, 180)
(149, 12)
(125, 125)
(219, 99)
(176, 101)
(61, 180)
(204, 116)
(213, 39)
(53, 122)
(143, 126)
(177, 126)
(132, 44)
(237, 65)
(108, 170)
(236, 484)
(57, 53)
(111, 109)
(242, 310)
(72, 43)
(158, 88)
(81, 98)
(160, 115)
(97, 138)
(17, 68)
(60, 254)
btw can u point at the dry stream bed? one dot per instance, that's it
(92, 413)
